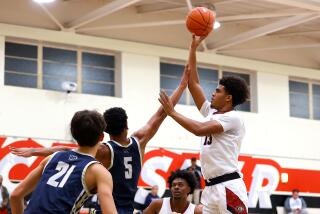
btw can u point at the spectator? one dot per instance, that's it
(151, 196)
(196, 170)
(4, 197)
(295, 204)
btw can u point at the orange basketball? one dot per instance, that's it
(200, 21)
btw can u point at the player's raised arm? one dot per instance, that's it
(149, 130)
(194, 82)
(29, 152)
(25, 188)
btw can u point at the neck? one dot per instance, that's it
(179, 205)
(89, 150)
(122, 139)
(225, 109)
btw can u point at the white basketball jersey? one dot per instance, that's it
(219, 152)
(166, 208)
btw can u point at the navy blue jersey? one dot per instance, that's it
(61, 188)
(125, 169)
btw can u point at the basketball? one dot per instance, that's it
(200, 21)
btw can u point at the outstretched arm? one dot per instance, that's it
(193, 126)
(152, 126)
(194, 83)
(25, 188)
(28, 152)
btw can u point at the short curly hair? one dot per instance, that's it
(116, 119)
(237, 88)
(185, 175)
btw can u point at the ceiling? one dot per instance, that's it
(281, 31)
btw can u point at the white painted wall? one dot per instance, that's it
(45, 114)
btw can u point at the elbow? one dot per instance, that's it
(15, 195)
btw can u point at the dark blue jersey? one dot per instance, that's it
(125, 169)
(61, 188)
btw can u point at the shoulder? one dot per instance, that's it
(157, 203)
(198, 209)
(154, 207)
(98, 170)
(104, 155)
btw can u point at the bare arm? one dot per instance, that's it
(193, 126)
(152, 126)
(28, 152)
(198, 210)
(194, 83)
(154, 207)
(104, 156)
(25, 188)
(104, 189)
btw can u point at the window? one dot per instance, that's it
(93, 72)
(170, 75)
(21, 65)
(304, 99)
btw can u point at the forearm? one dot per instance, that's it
(194, 77)
(192, 126)
(48, 151)
(17, 205)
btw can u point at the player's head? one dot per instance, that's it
(154, 190)
(116, 119)
(231, 91)
(193, 161)
(87, 127)
(181, 183)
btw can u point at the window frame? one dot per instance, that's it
(220, 69)
(79, 51)
(310, 83)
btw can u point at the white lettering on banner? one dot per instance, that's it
(149, 175)
(260, 192)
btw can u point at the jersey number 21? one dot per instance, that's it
(64, 170)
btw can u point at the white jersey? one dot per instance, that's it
(219, 152)
(166, 208)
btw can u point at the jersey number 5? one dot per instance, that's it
(65, 171)
(128, 167)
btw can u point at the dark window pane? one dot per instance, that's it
(63, 71)
(53, 83)
(209, 88)
(21, 50)
(246, 77)
(299, 105)
(97, 74)
(182, 99)
(208, 74)
(171, 69)
(21, 65)
(98, 60)
(169, 83)
(316, 113)
(316, 89)
(299, 87)
(244, 106)
(60, 55)
(97, 88)
(20, 80)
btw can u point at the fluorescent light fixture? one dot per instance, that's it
(43, 1)
(216, 25)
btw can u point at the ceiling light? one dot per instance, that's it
(43, 1)
(216, 25)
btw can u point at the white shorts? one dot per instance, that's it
(225, 198)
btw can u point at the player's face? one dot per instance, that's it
(219, 98)
(180, 188)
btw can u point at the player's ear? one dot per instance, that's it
(101, 137)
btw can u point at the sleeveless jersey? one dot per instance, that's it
(125, 169)
(166, 207)
(61, 188)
